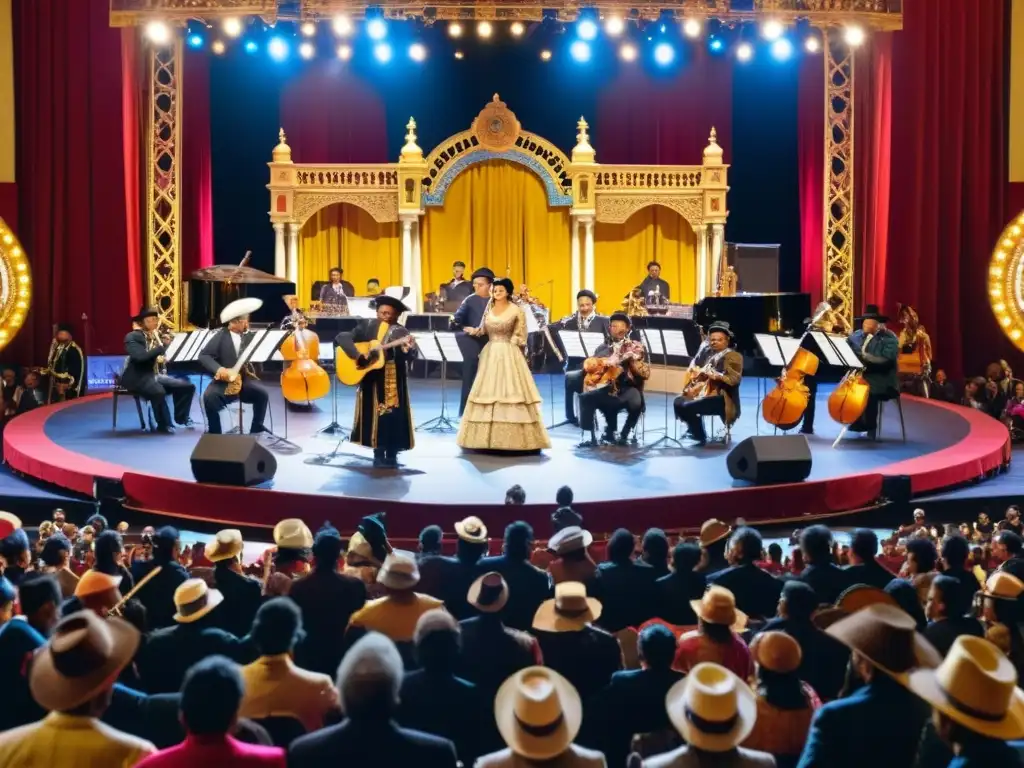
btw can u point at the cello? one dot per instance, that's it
(303, 381)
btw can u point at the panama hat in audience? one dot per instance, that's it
(571, 539)
(489, 593)
(225, 545)
(399, 571)
(713, 530)
(472, 529)
(975, 686)
(776, 652)
(712, 708)
(569, 611)
(8, 524)
(194, 599)
(94, 582)
(538, 713)
(718, 606)
(888, 638)
(1003, 585)
(292, 533)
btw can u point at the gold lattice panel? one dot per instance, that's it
(163, 182)
(839, 246)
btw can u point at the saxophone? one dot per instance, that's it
(153, 341)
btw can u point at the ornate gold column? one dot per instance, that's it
(280, 260)
(702, 261)
(574, 257)
(588, 253)
(839, 182)
(293, 253)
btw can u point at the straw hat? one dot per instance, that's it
(712, 708)
(571, 539)
(225, 545)
(472, 529)
(8, 524)
(538, 713)
(776, 652)
(888, 638)
(976, 686)
(1003, 585)
(292, 533)
(194, 599)
(570, 610)
(718, 606)
(82, 658)
(853, 599)
(713, 530)
(489, 593)
(94, 582)
(399, 571)
(239, 308)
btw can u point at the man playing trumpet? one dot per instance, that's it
(144, 376)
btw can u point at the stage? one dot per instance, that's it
(73, 445)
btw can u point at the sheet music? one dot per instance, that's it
(248, 352)
(846, 351)
(175, 346)
(266, 345)
(572, 344)
(427, 344)
(449, 346)
(675, 343)
(195, 345)
(653, 341)
(326, 351)
(777, 350)
(591, 341)
(833, 350)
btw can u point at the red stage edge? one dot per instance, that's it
(27, 449)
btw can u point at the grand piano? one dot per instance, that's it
(213, 288)
(776, 313)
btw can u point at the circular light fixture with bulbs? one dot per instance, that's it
(1006, 281)
(484, 29)
(517, 28)
(15, 285)
(232, 26)
(614, 26)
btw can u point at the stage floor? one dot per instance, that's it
(74, 444)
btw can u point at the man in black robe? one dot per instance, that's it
(66, 366)
(656, 290)
(142, 377)
(458, 288)
(383, 417)
(468, 315)
(584, 319)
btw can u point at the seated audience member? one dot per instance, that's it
(908, 598)
(585, 655)
(634, 701)
(774, 564)
(756, 591)
(946, 610)
(97, 592)
(98, 523)
(572, 561)
(1001, 614)
(673, 593)
(170, 651)
(983, 526)
(715, 638)
(956, 553)
(327, 600)
(292, 543)
(863, 567)
(714, 711)
(785, 704)
(8, 595)
(1008, 552)
(714, 538)
(539, 714)
(974, 394)
(71, 677)
(826, 578)
(922, 557)
(942, 388)
(395, 615)
(565, 515)
(369, 680)
(492, 651)
(885, 647)
(430, 543)
(1011, 521)
(210, 700)
(367, 549)
(274, 686)
(242, 594)
(528, 586)
(158, 596)
(109, 551)
(624, 585)
(56, 557)
(433, 699)
(462, 570)
(655, 551)
(976, 704)
(911, 528)
(16, 554)
(823, 660)
(515, 496)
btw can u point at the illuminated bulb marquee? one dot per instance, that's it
(1006, 281)
(15, 285)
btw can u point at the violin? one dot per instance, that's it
(303, 381)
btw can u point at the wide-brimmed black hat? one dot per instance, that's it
(589, 294)
(721, 325)
(483, 272)
(389, 301)
(621, 316)
(144, 313)
(871, 312)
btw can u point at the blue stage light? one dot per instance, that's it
(716, 45)
(278, 49)
(196, 41)
(782, 49)
(580, 51)
(377, 29)
(586, 29)
(251, 46)
(382, 52)
(664, 54)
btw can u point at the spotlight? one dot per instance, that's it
(664, 54)
(307, 50)
(377, 29)
(158, 33)
(217, 47)
(627, 52)
(854, 36)
(278, 49)
(812, 44)
(716, 45)
(586, 29)
(196, 41)
(484, 29)
(517, 29)
(455, 29)
(232, 26)
(579, 50)
(782, 49)
(308, 28)
(744, 52)
(459, 55)
(545, 55)
(615, 26)
(692, 28)
(772, 29)
(344, 52)
(418, 52)
(251, 46)
(342, 26)
(382, 52)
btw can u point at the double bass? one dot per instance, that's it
(303, 381)
(785, 405)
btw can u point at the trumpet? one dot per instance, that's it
(118, 609)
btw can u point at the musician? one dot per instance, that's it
(468, 315)
(878, 348)
(65, 366)
(458, 288)
(28, 396)
(725, 374)
(220, 355)
(914, 361)
(627, 392)
(372, 286)
(383, 417)
(585, 319)
(655, 290)
(334, 294)
(143, 375)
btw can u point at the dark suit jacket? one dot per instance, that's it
(879, 357)
(943, 632)
(434, 572)
(871, 573)
(219, 351)
(383, 745)
(470, 312)
(626, 592)
(824, 659)
(633, 702)
(458, 577)
(492, 652)
(968, 586)
(138, 368)
(828, 581)
(158, 593)
(672, 596)
(587, 658)
(169, 652)
(449, 707)
(242, 598)
(600, 324)
(327, 599)
(528, 587)
(756, 591)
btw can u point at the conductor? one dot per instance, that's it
(468, 315)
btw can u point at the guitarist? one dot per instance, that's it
(383, 417)
(723, 378)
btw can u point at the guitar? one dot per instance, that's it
(348, 370)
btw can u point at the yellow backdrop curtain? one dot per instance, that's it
(496, 215)
(622, 251)
(344, 235)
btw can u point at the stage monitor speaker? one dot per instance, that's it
(232, 460)
(757, 266)
(771, 459)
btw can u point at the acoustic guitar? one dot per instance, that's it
(348, 370)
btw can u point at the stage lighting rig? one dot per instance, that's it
(744, 52)
(579, 50)
(418, 52)
(455, 29)
(344, 51)
(307, 50)
(382, 52)
(158, 33)
(251, 46)
(664, 54)
(308, 28)
(218, 47)
(772, 29)
(278, 49)
(782, 49)
(545, 55)
(517, 29)
(627, 52)
(342, 25)
(377, 28)
(812, 44)
(484, 30)
(232, 26)
(692, 28)
(614, 26)
(854, 36)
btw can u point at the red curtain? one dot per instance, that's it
(811, 170)
(71, 173)
(133, 101)
(196, 169)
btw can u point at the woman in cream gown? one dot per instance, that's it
(503, 410)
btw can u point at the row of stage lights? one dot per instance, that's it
(587, 30)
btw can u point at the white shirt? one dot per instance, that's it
(236, 339)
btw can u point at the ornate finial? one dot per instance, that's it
(581, 131)
(713, 153)
(582, 152)
(280, 135)
(495, 99)
(411, 150)
(410, 130)
(282, 152)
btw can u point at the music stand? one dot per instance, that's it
(333, 430)
(572, 343)
(655, 343)
(837, 352)
(189, 351)
(439, 347)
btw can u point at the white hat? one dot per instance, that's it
(239, 308)
(472, 529)
(194, 599)
(538, 713)
(570, 539)
(712, 708)
(399, 571)
(292, 533)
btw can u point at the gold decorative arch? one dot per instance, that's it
(1006, 281)
(15, 285)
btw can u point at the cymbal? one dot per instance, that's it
(224, 273)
